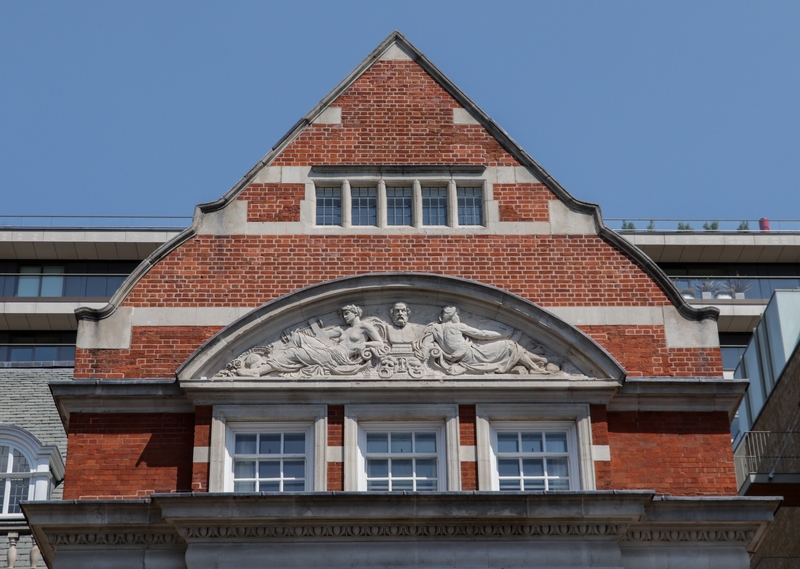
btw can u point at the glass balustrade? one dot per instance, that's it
(44, 283)
(738, 288)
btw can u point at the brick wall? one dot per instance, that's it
(335, 439)
(273, 202)
(523, 202)
(117, 456)
(466, 425)
(669, 452)
(395, 114)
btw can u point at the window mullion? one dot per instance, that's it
(382, 215)
(452, 204)
(416, 204)
(346, 204)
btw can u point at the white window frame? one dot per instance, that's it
(403, 426)
(44, 461)
(399, 417)
(528, 416)
(269, 427)
(227, 420)
(416, 185)
(544, 426)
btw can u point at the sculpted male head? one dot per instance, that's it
(400, 314)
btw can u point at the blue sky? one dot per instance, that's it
(672, 109)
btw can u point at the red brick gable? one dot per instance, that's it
(395, 113)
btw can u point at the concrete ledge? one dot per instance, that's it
(699, 394)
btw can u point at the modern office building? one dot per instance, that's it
(396, 342)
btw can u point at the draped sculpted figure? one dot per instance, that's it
(459, 354)
(335, 350)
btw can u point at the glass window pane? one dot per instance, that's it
(294, 443)
(402, 485)
(398, 206)
(507, 442)
(66, 353)
(470, 206)
(270, 443)
(402, 467)
(532, 442)
(4, 452)
(557, 483)
(557, 467)
(508, 466)
(556, 442)
(427, 485)
(377, 468)
(510, 485)
(96, 285)
(244, 469)
(20, 462)
(271, 486)
(425, 442)
(294, 485)
(534, 485)
(245, 444)
(329, 206)
(401, 442)
(113, 283)
(434, 206)
(52, 286)
(19, 492)
(533, 467)
(377, 442)
(294, 469)
(20, 354)
(248, 486)
(377, 485)
(364, 206)
(426, 468)
(28, 286)
(269, 469)
(45, 353)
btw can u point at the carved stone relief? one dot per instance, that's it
(400, 346)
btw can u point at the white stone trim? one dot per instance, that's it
(331, 115)
(564, 221)
(224, 414)
(335, 454)
(468, 453)
(447, 414)
(577, 413)
(200, 454)
(601, 453)
(683, 333)
(463, 116)
(395, 53)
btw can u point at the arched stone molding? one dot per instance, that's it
(374, 292)
(46, 464)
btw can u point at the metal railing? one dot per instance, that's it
(732, 288)
(687, 225)
(97, 222)
(767, 452)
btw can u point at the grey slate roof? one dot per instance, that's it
(25, 401)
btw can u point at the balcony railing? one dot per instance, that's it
(732, 288)
(97, 222)
(676, 225)
(767, 453)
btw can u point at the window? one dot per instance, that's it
(329, 206)
(396, 459)
(434, 206)
(533, 457)
(395, 448)
(27, 469)
(40, 280)
(27, 346)
(365, 206)
(277, 460)
(470, 206)
(267, 448)
(532, 447)
(399, 203)
(398, 206)
(15, 481)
